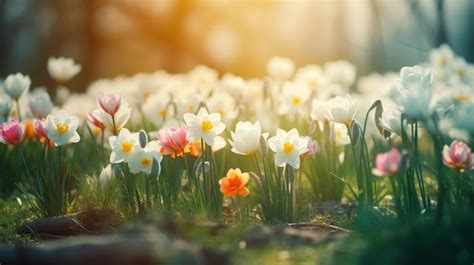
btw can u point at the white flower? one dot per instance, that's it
(105, 176)
(62, 128)
(293, 98)
(415, 88)
(459, 123)
(6, 105)
(142, 159)
(288, 146)
(203, 78)
(204, 126)
(341, 72)
(246, 138)
(219, 144)
(16, 85)
(341, 134)
(123, 146)
(312, 76)
(376, 85)
(225, 105)
(342, 109)
(253, 91)
(188, 102)
(442, 56)
(319, 110)
(280, 68)
(232, 84)
(391, 121)
(156, 108)
(40, 103)
(62, 69)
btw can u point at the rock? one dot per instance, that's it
(117, 248)
(91, 221)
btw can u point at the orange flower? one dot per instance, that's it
(234, 183)
(29, 129)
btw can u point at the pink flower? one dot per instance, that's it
(387, 164)
(40, 128)
(312, 147)
(95, 120)
(457, 156)
(173, 141)
(12, 132)
(110, 103)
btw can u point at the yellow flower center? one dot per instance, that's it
(190, 107)
(296, 100)
(62, 128)
(162, 113)
(126, 147)
(463, 98)
(206, 125)
(288, 148)
(146, 161)
(441, 60)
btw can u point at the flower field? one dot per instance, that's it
(306, 165)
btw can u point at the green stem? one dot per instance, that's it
(18, 109)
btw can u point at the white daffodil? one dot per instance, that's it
(246, 138)
(204, 126)
(341, 135)
(311, 75)
(232, 84)
(342, 109)
(156, 108)
(415, 88)
(62, 128)
(225, 105)
(319, 110)
(123, 146)
(62, 69)
(106, 176)
(40, 103)
(341, 72)
(293, 98)
(252, 91)
(16, 85)
(142, 159)
(188, 102)
(391, 121)
(281, 69)
(288, 147)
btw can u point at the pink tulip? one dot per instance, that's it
(12, 132)
(40, 128)
(173, 141)
(312, 147)
(387, 164)
(457, 156)
(95, 120)
(110, 103)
